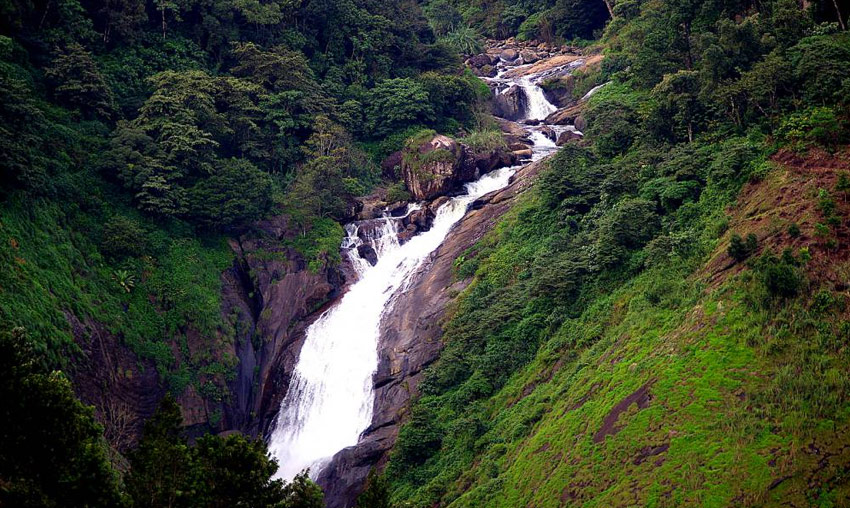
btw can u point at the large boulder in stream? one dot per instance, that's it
(432, 168)
(509, 55)
(441, 165)
(511, 104)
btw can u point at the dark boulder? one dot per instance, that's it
(368, 253)
(511, 104)
(580, 123)
(568, 136)
(422, 219)
(437, 203)
(480, 60)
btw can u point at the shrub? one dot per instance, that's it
(825, 203)
(464, 40)
(123, 237)
(613, 126)
(814, 126)
(794, 230)
(740, 249)
(781, 278)
(397, 192)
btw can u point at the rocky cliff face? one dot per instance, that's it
(276, 296)
(410, 341)
(442, 165)
(269, 295)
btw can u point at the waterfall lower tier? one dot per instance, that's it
(330, 399)
(329, 403)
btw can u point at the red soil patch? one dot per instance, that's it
(789, 195)
(641, 397)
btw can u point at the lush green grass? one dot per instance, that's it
(55, 270)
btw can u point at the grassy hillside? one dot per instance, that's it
(680, 386)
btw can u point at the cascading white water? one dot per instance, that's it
(329, 402)
(538, 107)
(330, 398)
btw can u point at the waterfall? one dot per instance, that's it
(593, 91)
(329, 402)
(538, 107)
(330, 397)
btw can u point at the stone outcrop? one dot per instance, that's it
(432, 168)
(411, 340)
(277, 296)
(440, 166)
(565, 116)
(510, 104)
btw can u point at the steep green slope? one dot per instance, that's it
(662, 321)
(693, 381)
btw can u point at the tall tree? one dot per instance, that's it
(52, 451)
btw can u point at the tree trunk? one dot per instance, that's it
(610, 9)
(838, 12)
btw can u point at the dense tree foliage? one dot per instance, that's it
(215, 472)
(204, 92)
(548, 20)
(134, 136)
(52, 451)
